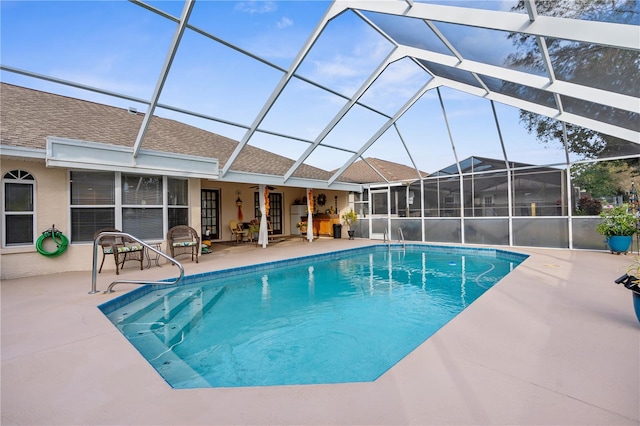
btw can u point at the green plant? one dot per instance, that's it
(301, 224)
(634, 270)
(350, 218)
(589, 206)
(254, 226)
(618, 221)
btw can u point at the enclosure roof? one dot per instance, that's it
(370, 79)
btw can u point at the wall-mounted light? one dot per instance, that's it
(239, 204)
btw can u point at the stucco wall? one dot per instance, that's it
(51, 203)
(52, 207)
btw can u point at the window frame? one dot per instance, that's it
(119, 206)
(22, 177)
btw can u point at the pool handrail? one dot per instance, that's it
(400, 236)
(109, 289)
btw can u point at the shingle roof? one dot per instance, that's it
(28, 116)
(361, 172)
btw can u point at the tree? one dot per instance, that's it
(599, 179)
(616, 71)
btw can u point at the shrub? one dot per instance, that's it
(589, 206)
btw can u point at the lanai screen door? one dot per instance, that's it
(379, 214)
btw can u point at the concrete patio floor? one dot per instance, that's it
(556, 343)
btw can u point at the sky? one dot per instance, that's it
(120, 46)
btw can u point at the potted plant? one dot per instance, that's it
(302, 226)
(254, 228)
(350, 218)
(619, 226)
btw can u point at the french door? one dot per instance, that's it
(210, 207)
(275, 211)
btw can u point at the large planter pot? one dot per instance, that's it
(636, 304)
(619, 243)
(631, 283)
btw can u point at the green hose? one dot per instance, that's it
(58, 237)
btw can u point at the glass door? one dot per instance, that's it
(275, 211)
(210, 218)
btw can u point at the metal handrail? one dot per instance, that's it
(109, 289)
(400, 236)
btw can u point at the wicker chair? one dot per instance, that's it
(183, 239)
(122, 249)
(237, 232)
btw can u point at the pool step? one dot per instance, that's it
(142, 310)
(155, 328)
(167, 315)
(188, 315)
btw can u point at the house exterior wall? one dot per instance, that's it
(51, 204)
(52, 207)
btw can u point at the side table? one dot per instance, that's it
(156, 256)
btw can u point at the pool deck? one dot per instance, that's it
(554, 343)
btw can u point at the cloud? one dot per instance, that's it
(256, 6)
(284, 22)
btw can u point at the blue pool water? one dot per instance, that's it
(341, 317)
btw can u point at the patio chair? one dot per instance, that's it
(183, 239)
(237, 232)
(121, 247)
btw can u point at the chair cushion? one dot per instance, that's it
(121, 249)
(184, 243)
(127, 249)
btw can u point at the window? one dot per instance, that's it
(142, 205)
(178, 190)
(92, 203)
(18, 208)
(136, 204)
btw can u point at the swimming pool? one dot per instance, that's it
(344, 316)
